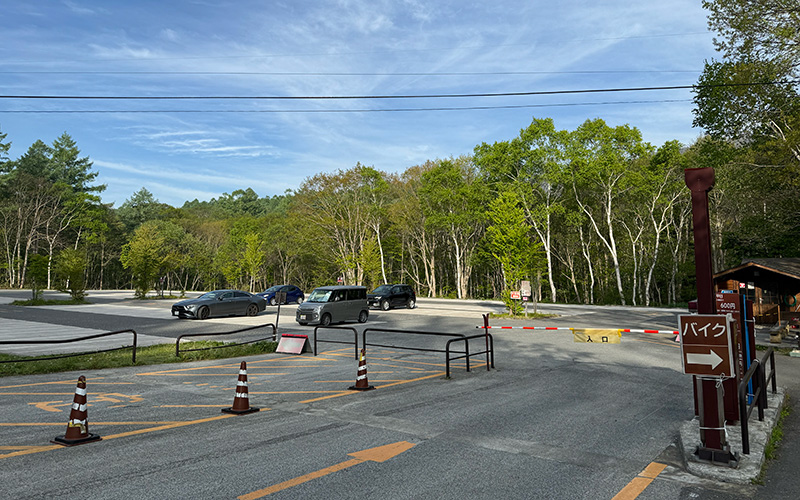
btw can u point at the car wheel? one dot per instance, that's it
(252, 310)
(385, 305)
(325, 320)
(411, 304)
(363, 316)
(299, 300)
(272, 301)
(203, 313)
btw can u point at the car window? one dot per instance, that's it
(240, 294)
(227, 295)
(382, 289)
(319, 296)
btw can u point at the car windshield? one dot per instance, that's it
(319, 296)
(273, 288)
(210, 295)
(382, 289)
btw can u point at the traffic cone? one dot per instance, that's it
(241, 401)
(361, 379)
(78, 425)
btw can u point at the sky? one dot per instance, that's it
(256, 54)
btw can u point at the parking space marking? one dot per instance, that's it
(159, 427)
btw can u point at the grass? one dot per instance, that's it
(150, 355)
(771, 448)
(49, 302)
(522, 316)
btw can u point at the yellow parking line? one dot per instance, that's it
(639, 483)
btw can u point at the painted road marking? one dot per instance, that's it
(378, 454)
(159, 427)
(640, 482)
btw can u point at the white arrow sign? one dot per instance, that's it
(712, 359)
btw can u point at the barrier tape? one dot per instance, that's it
(625, 330)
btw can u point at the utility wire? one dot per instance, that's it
(295, 73)
(384, 110)
(413, 96)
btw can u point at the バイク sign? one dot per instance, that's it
(706, 345)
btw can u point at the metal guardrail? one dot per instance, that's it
(457, 337)
(489, 351)
(178, 350)
(316, 335)
(67, 341)
(759, 378)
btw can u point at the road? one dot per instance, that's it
(554, 419)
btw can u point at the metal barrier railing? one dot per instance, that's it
(457, 337)
(178, 350)
(759, 378)
(355, 334)
(67, 341)
(489, 351)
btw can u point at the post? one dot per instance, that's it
(714, 446)
(486, 335)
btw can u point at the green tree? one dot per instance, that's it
(71, 273)
(141, 207)
(510, 244)
(535, 165)
(603, 162)
(751, 95)
(37, 275)
(152, 252)
(454, 200)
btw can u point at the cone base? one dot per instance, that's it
(252, 409)
(73, 442)
(356, 388)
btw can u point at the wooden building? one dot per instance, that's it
(772, 284)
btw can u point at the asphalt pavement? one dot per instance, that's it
(553, 419)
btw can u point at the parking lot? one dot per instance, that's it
(554, 419)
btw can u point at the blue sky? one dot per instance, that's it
(186, 149)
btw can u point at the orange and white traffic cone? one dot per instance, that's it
(361, 378)
(241, 401)
(78, 425)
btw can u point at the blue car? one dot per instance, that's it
(293, 294)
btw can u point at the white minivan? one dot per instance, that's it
(334, 304)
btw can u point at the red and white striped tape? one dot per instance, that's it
(625, 330)
(529, 327)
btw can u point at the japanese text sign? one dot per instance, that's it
(706, 345)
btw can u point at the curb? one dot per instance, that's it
(749, 468)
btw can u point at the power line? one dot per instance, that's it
(383, 110)
(413, 96)
(294, 73)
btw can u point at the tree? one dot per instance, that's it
(454, 200)
(153, 251)
(751, 95)
(510, 243)
(71, 273)
(141, 207)
(338, 205)
(603, 160)
(68, 167)
(535, 165)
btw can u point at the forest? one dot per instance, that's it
(593, 215)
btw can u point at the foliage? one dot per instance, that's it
(71, 273)
(37, 273)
